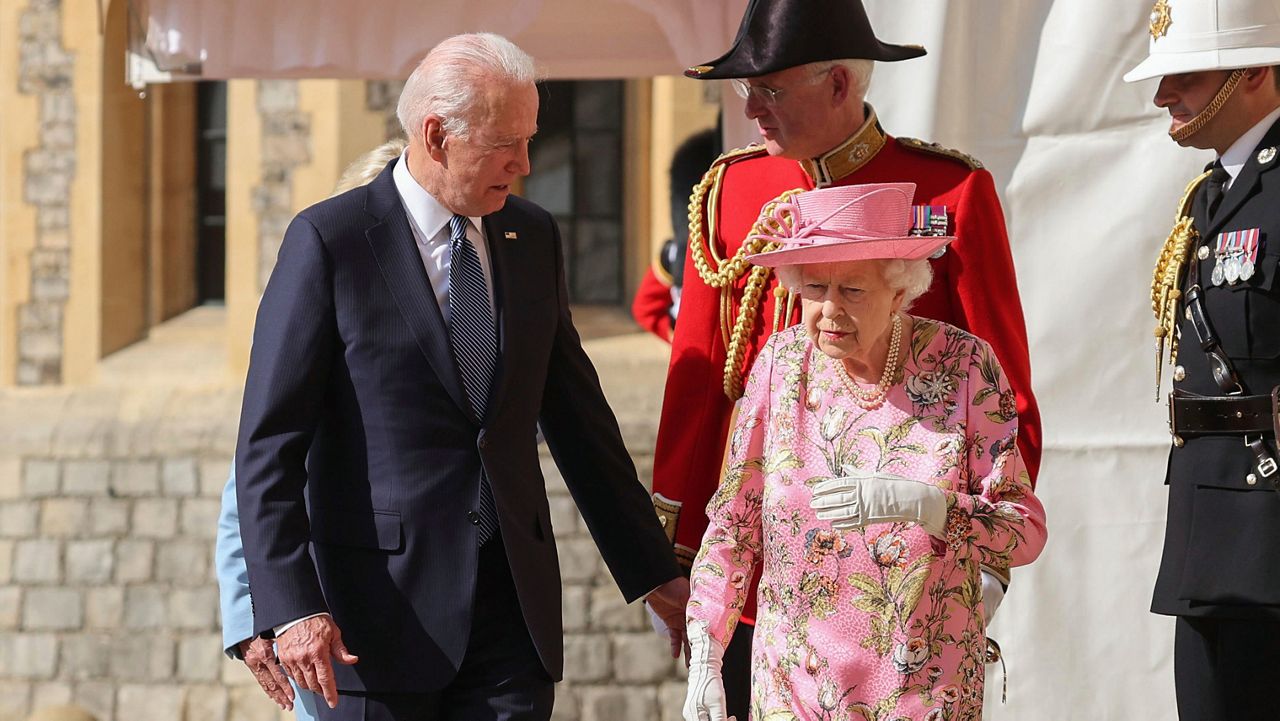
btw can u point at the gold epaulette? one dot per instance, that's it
(963, 157)
(736, 154)
(1166, 279)
(703, 204)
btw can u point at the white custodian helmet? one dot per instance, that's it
(1193, 35)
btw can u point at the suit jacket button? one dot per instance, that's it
(473, 517)
(484, 443)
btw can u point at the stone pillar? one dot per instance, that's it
(382, 96)
(639, 173)
(679, 109)
(37, 90)
(19, 134)
(288, 142)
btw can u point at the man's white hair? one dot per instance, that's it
(859, 68)
(450, 79)
(912, 277)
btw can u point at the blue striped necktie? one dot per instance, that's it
(475, 343)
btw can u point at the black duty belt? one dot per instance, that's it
(1256, 418)
(1192, 415)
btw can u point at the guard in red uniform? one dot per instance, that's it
(652, 307)
(657, 299)
(804, 86)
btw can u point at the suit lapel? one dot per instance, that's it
(392, 243)
(1248, 183)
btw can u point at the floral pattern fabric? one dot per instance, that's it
(882, 623)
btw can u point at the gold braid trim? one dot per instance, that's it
(1166, 280)
(726, 272)
(1202, 118)
(927, 147)
(748, 310)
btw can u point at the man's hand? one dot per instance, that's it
(305, 649)
(667, 602)
(260, 656)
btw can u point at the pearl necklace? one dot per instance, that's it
(870, 400)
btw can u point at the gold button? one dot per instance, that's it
(1178, 442)
(662, 521)
(1179, 373)
(1239, 414)
(1251, 479)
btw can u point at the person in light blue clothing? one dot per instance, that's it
(238, 640)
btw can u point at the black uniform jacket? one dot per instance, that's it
(1222, 542)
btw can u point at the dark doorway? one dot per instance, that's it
(576, 174)
(211, 192)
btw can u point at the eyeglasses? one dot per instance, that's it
(763, 93)
(766, 94)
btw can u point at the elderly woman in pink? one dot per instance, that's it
(872, 473)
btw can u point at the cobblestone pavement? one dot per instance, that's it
(108, 501)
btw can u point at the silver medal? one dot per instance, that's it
(1217, 276)
(1203, 252)
(1246, 269)
(1232, 271)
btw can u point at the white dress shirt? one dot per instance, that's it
(1238, 154)
(429, 221)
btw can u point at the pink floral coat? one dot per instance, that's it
(882, 623)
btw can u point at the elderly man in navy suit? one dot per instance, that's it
(414, 334)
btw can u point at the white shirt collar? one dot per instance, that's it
(1237, 155)
(424, 210)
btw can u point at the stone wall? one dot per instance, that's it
(108, 504)
(45, 71)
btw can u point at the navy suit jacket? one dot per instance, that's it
(359, 459)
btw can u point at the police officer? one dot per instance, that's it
(1217, 306)
(804, 85)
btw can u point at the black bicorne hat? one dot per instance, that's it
(780, 34)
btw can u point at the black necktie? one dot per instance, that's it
(1215, 187)
(475, 344)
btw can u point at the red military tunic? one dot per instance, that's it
(651, 307)
(974, 288)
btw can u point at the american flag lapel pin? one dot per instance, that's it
(510, 235)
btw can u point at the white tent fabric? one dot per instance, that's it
(1089, 182)
(386, 38)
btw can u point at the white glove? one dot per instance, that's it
(705, 701)
(992, 595)
(862, 499)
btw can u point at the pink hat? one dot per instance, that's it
(851, 222)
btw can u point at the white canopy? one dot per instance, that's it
(375, 39)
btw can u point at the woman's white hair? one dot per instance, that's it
(450, 79)
(365, 168)
(912, 277)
